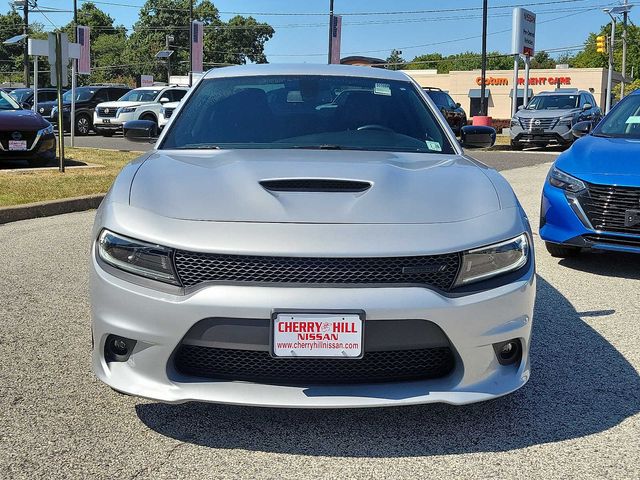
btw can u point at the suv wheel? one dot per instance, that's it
(83, 125)
(149, 117)
(516, 146)
(561, 251)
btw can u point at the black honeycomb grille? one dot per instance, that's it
(436, 270)
(261, 367)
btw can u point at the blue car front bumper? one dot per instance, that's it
(563, 221)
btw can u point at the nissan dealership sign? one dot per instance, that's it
(523, 40)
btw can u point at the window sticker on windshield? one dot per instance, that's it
(382, 89)
(435, 146)
(633, 119)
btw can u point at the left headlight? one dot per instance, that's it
(48, 130)
(137, 257)
(127, 110)
(563, 180)
(493, 260)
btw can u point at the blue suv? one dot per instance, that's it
(591, 198)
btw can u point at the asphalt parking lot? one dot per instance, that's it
(578, 417)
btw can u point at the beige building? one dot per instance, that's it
(464, 87)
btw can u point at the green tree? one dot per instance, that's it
(542, 60)
(395, 60)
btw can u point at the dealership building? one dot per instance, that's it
(464, 87)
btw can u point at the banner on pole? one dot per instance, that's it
(84, 62)
(197, 35)
(336, 34)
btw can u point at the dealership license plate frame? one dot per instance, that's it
(322, 312)
(18, 146)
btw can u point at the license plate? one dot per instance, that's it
(319, 335)
(17, 145)
(106, 120)
(537, 131)
(631, 218)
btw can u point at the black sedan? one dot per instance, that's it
(24, 134)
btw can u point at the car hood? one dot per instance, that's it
(21, 120)
(546, 113)
(601, 160)
(225, 186)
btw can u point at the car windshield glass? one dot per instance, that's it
(553, 102)
(21, 94)
(140, 96)
(82, 95)
(7, 102)
(623, 121)
(307, 111)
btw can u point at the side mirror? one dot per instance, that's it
(520, 107)
(164, 100)
(581, 129)
(477, 136)
(25, 106)
(458, 105)
(587, 106)
(141, 131)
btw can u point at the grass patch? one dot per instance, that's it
(19, 187)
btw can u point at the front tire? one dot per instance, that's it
(562, 251)
(83, 125)
(516, 146)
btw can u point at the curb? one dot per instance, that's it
(49, 208)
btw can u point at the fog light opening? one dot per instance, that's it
(118, 349)
(508, 352)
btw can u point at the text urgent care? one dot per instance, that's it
(532, 81)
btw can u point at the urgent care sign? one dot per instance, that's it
(504, 81)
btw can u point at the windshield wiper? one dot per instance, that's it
(325, 146)
(602, 135)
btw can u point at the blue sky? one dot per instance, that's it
(302, 38)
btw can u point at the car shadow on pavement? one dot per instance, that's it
(609, 264)
(580, 385)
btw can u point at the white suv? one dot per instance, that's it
(142, 103)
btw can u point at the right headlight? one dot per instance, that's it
(562, 180)
(493, 260)
(515, 122)
(137, 257)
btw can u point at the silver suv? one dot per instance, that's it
(549, 116)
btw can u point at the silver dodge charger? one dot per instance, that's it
(311, 236)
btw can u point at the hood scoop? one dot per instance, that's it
(318, 185)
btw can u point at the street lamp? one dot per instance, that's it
(24, 4)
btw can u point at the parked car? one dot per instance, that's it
(25, 96)
(550, 116)
(24, 134)
(142, 103)
(165, 113)
(86, 100)
(591, 199)
(452, 111)
(285, 250)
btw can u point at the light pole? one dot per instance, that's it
(330, 28)
(190, 42)
(612, 12)
(483, 73)
(25, 31)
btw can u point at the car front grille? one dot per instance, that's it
(107, 112)
(261, 367)
(438, 271)
(17, 135)
(606, 206)
(538, 123)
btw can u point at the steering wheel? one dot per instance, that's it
(374, 126)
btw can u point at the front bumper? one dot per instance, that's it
(158, 321)
(560, 135)
(44, 149)
(113, 123)
(562, 221)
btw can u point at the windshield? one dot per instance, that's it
(554, 102)
(439, 98)
(21, 94)
(623, 121)
(317, 112)
(82, 95)
(140, 96)
(7, 102)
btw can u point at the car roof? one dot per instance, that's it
(564, 91)
(306, 69)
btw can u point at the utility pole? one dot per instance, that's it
(25, 30)
(483, 74)
(625, 18)
(75, 20)
(168, 40)
(190, 42)
(610, 72)
(330, 28)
